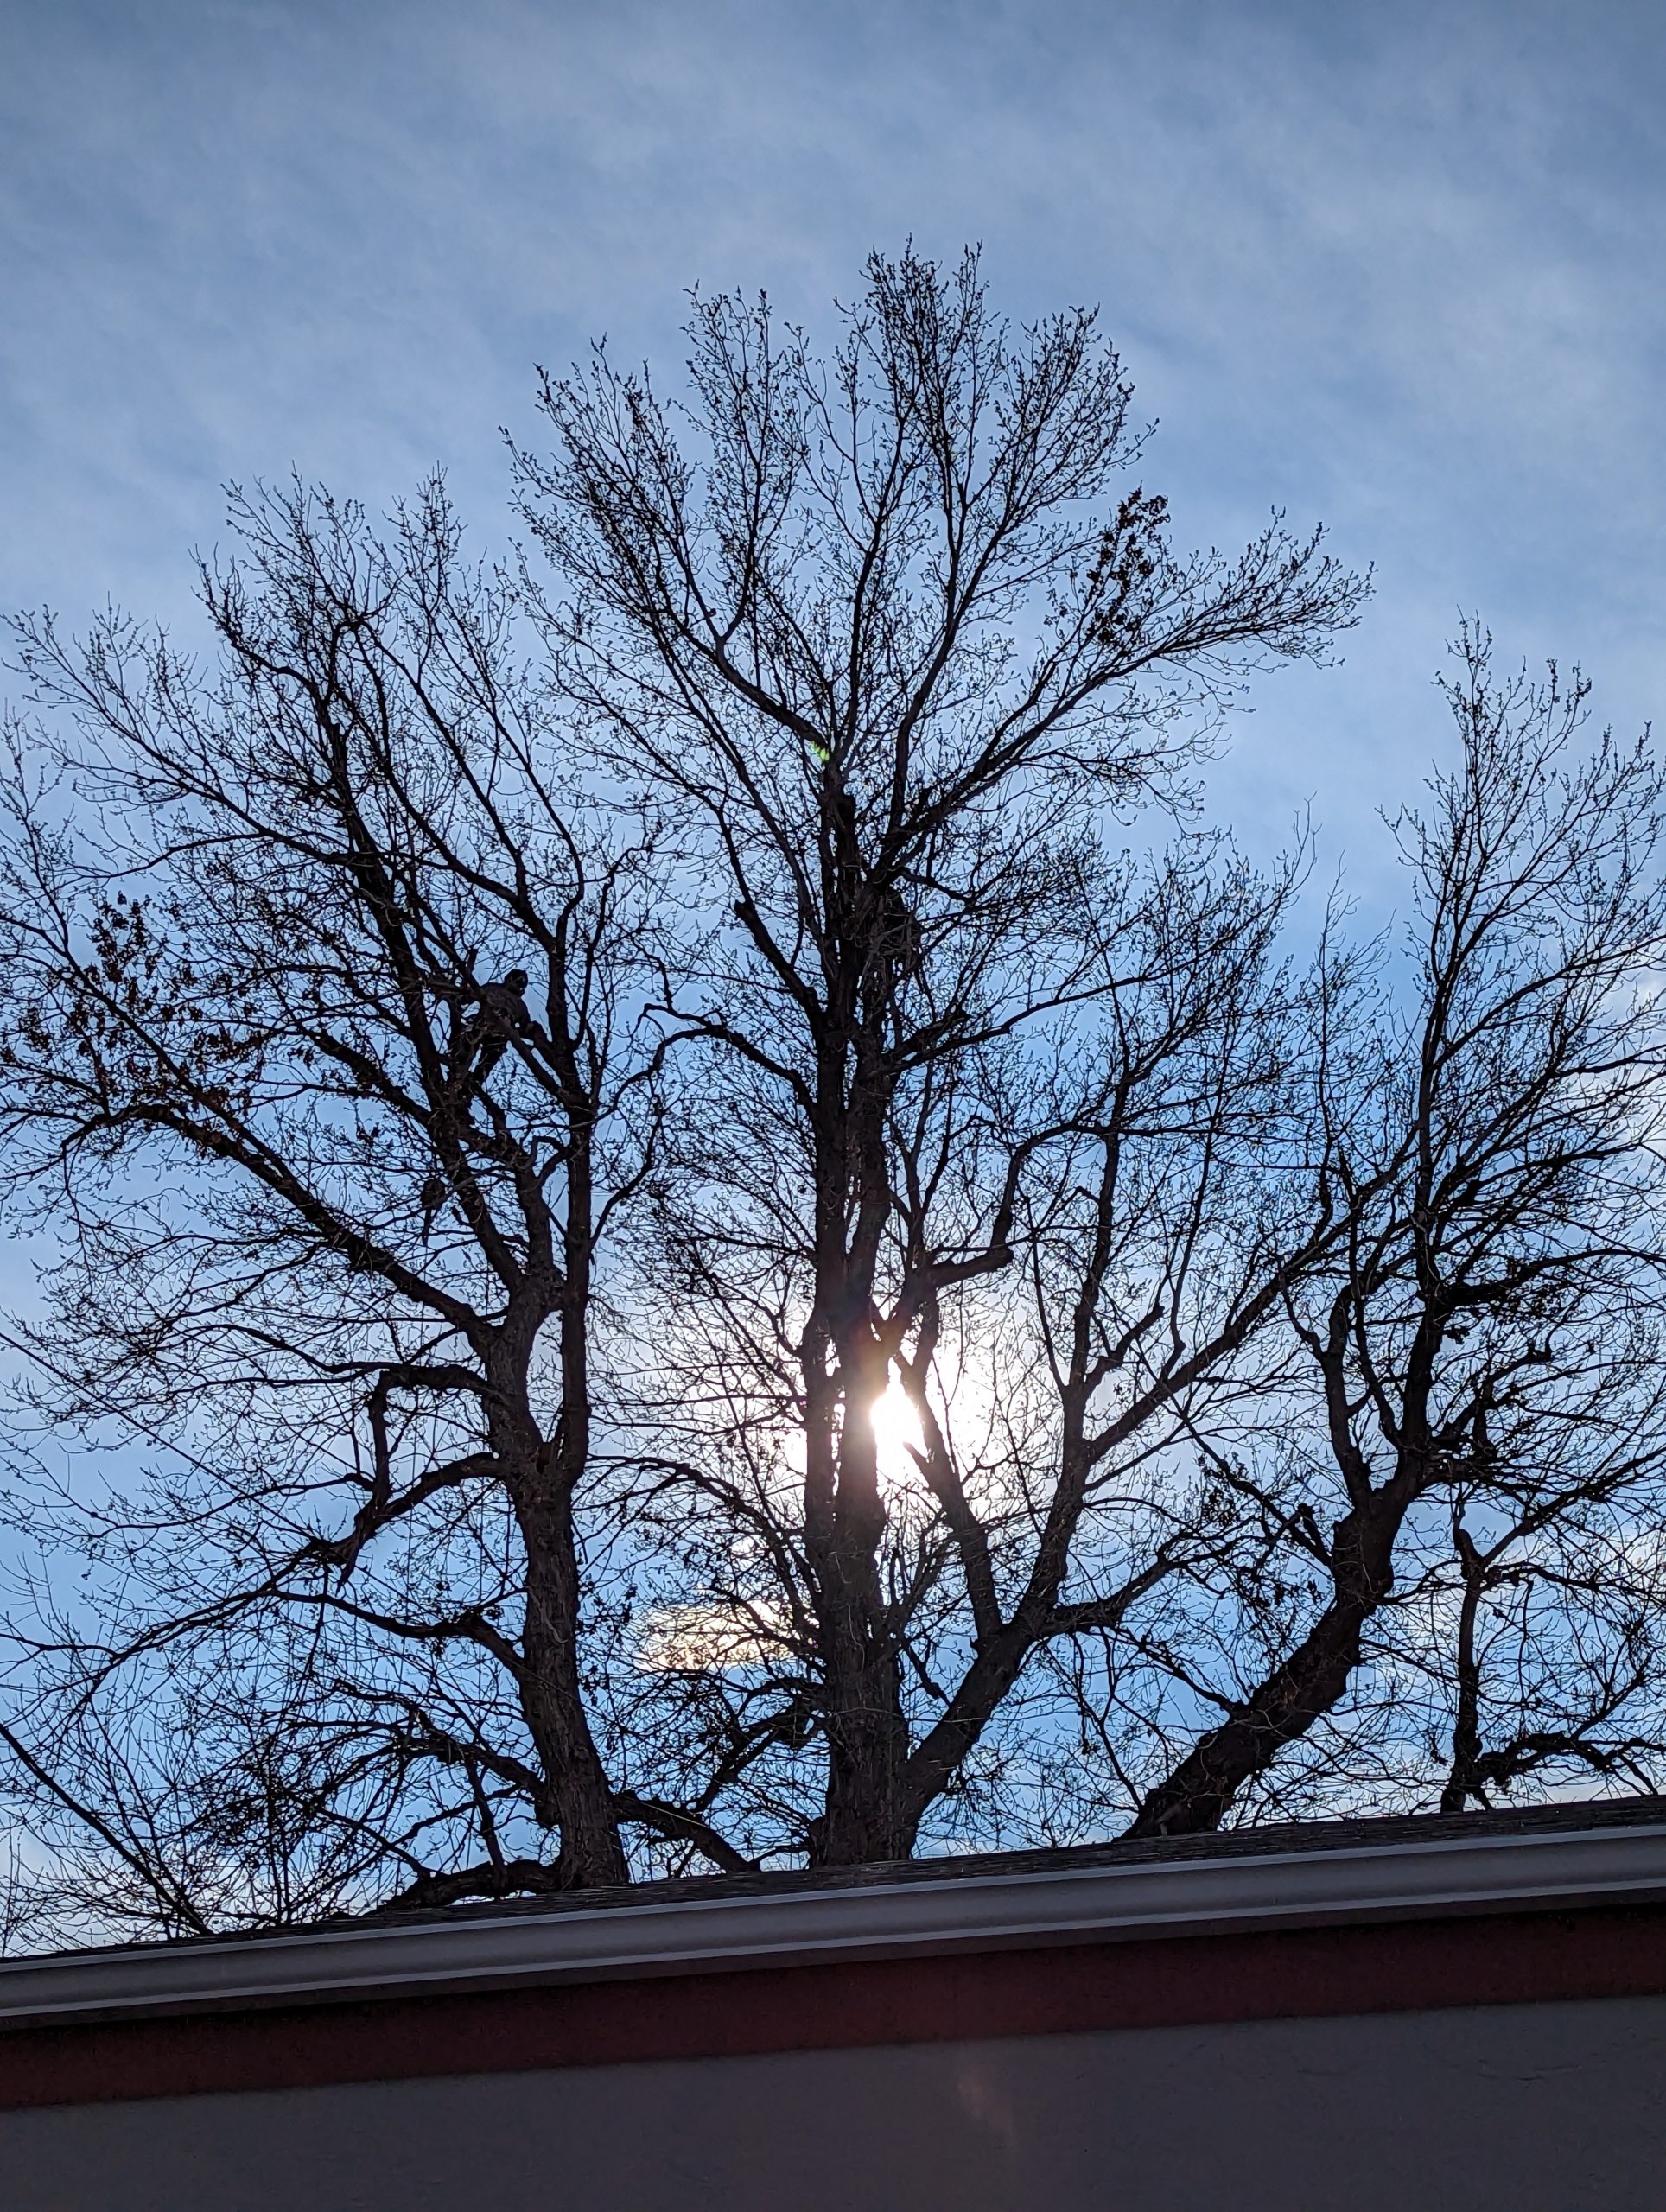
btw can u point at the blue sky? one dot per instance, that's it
(1396, 266)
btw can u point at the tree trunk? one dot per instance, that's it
(1466, 1727)
(863, 1817)
(577, 1799)
(861, 1680)
(1198, 1794)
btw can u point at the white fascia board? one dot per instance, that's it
(918, 1917)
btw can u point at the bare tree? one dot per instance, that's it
(1488, 1361)
(324, 1062)
(875, 648)
(679, 1257)
(1552, 1662)
(1151, 1157)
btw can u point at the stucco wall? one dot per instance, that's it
(1552, 2108)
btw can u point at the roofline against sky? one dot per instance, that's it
(916, 1918)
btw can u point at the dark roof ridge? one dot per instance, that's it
(1348, 1834)
(1288, 1837)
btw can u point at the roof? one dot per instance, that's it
(1560, 1857)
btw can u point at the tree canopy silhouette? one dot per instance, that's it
(691, 1220)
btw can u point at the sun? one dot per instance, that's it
(896, 1435)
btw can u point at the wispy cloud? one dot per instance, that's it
(1390, 266)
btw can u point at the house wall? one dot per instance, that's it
(1547, 2107)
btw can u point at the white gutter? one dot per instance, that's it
(916, 1918)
